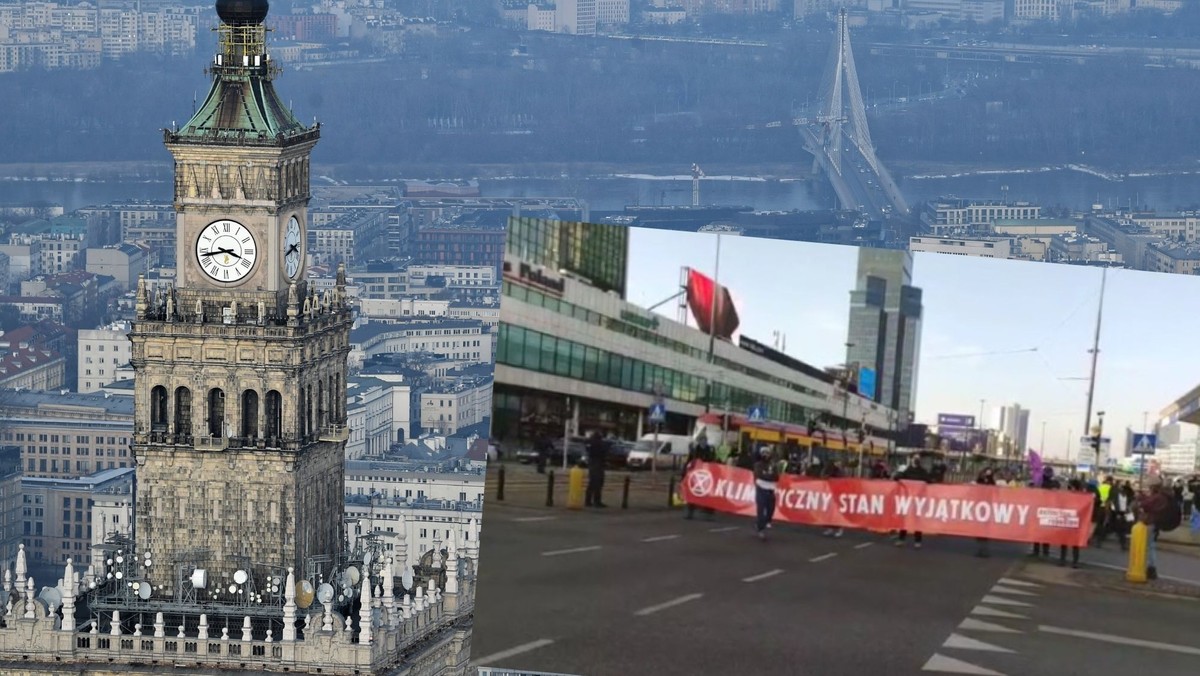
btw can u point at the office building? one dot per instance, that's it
(1014, 430)
(885, 327)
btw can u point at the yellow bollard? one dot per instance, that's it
(1139, 540)
(575, 488)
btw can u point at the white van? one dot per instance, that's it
(672, 449)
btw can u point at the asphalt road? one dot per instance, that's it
(599, 593)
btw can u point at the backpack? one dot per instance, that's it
(1170, 518)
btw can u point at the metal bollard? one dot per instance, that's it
(1139, 543)
(671, 492)
(625, 494)
(500, 485)
(550, 488)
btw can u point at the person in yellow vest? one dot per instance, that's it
(1104, 513)
(723, 452)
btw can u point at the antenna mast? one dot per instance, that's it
(1087, 421)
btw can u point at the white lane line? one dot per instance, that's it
(512, 652)
(762, 576)
(823, 557)
(725, 529)
(669, 604)
(961, 642)
(659, 538)
(1012, 592)
(1121, 640)
(1018, 583)
(1182, 580)
(531, 519)
(972, 624)
(949, 665)
(1001, 601)
(995, 612)
(863, 545)
(576, 550)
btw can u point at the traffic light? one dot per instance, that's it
(862, 435)
(1096, 444)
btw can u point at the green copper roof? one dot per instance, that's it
(241, 108)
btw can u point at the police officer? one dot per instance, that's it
(597, 456)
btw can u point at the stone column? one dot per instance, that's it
(364, 613)
(289, 607)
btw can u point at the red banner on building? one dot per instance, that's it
(711, 304)
(997, 513)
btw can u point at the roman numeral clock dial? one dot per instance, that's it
(226, 251)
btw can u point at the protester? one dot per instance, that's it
(698, 453)
(1075, 486)
(1048, 482)
(597, 457)
(987, 477)
(1153, 509)
(914, 472)
(832, 471)
(766, 477)
(1102, 514)
(544, 448)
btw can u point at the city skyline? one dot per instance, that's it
(1017, 341)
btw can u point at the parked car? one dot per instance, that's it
(527, 456)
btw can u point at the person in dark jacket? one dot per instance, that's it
(914, 472)
(597, 457)
(1050, 483)
(766, 478)
(544, 448)
(987, 477)
(833, 471)
(1151, 508)
(1075, 486)
(698, 453)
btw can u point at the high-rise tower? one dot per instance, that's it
(241, 367)
(885, 326)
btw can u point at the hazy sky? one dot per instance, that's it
(983, 319)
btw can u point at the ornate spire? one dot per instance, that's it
(364, 613)
(21, 569)
(289, 607)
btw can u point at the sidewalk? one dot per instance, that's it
(524, 487)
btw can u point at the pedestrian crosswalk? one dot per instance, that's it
(998, 605)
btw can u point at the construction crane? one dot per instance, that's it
(697, 174)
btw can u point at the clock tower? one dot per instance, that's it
(240, 368)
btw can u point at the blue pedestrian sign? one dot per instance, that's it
(658, 413)
(1144, 444)
(758, 414)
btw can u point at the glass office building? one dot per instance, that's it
(571, 348)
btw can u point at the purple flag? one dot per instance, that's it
(1035, 467)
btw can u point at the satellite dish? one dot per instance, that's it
(366, 559)
(353, 576)
(51, 597)
(325, 593)
(304, 594)
(407, 578)
(240, 577)
(143, 592)
(233, 589)
(199, 578)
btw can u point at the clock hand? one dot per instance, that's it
(294, 247)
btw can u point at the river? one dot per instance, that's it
(1073, 188)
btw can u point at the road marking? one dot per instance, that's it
(1001, 601)
(1121, 640)
(512, 652)
(669, 604)
(531, 519)
(1018, 583)
(961, 642)
(1015, 592)
(1182, 580)
(762, 576)
(659, 538)
(949, 665)
(972, 624)
(863, 545)
(993, 612)
(725, 529)
(822, 557)
(576, 550)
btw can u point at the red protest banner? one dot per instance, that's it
(1018, 514)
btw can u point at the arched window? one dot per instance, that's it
(333, 403)
(158, 409)
(341, 398)
(250, 414)
(274, 417)
(216, 413)
(308, 415)
(320, 405)
(183, 412)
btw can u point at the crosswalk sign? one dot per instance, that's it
(658, 413)
(758, 414)
(1144, 444)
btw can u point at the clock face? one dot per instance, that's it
(292, 248)
(226, 251)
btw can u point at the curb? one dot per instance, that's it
(1091, 578)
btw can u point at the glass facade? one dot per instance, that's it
(536, 351)
(594, 251)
